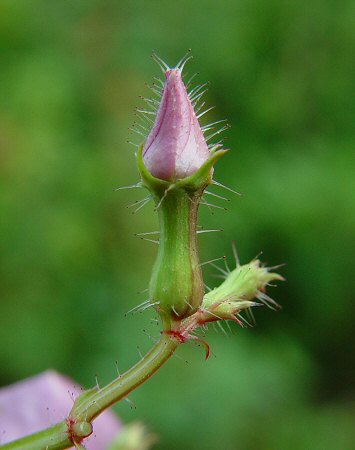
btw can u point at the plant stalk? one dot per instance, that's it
(92, 403)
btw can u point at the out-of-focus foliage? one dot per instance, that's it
(282, 73)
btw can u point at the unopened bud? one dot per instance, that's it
(176, 147)
(240, 287)
(176, 165)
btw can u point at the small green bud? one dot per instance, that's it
(81, 429)
(241, 286)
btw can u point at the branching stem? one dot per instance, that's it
(92, 403)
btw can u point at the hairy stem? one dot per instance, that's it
(92, 403)
(53, 438)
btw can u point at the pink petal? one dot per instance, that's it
(176, 147)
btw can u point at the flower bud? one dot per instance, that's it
(176, 166)
(241, 286)
(176, 147)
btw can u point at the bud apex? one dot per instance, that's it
(176, 147)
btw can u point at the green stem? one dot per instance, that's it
(90, 404)
(94, 404)
(53, 438)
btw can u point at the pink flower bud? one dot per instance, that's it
(175, 147)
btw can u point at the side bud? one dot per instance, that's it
(176, 165)
(239, 290)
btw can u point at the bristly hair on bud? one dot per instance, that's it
(175, 144)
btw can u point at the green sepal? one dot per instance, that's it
(198, 180)
(154, 184)
(227, 309)
(203, 176)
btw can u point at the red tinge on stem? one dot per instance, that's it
(175, 147)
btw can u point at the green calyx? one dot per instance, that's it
(200, 179)
(176, 287)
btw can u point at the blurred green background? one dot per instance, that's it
(282, 72)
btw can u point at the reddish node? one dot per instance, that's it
(176, 335)
(77, 431)
(71, 423)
